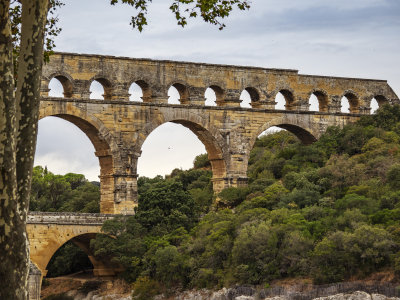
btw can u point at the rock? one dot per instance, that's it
(359, 295)
(276, 298)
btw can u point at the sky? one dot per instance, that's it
(357, 38)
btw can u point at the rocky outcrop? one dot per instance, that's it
(249, 293)
(357, 296)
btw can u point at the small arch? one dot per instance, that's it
(210, 97)
(214, 95)
(135, 93)
(246, 99)
(374, 105)
(60, 86)
(140, 91)
(349, 103)
(178, 93)
(249, 96)
(82, 241)
(284, 100)
(377, 102)
(318, 101)
(100, 88)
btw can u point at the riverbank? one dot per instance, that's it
(380, 286)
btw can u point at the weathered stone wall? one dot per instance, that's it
(34, 282)
(47, 232)
(118, 128)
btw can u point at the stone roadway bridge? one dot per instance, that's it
(48, 231)
(118, 127)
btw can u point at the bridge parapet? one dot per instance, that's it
(67, 218)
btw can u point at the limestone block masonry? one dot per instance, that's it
(47, 232)
(118, 127)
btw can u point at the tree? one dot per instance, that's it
(19, 106)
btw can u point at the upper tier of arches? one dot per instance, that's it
(182, 83)
(250, 97)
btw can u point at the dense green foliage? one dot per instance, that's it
(63, 193)
(329, 211)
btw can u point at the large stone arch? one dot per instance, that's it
(300, 127)
(106, 148)
(80, 236)
(210, 136)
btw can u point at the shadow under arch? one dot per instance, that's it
(102, 142)
(210, 137)
(103, 267)
(304, 134)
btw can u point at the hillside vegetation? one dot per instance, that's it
(329, 211)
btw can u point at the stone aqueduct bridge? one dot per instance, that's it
(118, 127)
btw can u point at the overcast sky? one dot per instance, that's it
(353, 38)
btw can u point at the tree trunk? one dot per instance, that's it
(18, 130)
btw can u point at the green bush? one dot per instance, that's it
(145, 288)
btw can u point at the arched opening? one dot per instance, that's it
(349, 103)
(64, 148)
(374, 106)
(175, 145)
(168, 147)
(211, 97)
(377, 102)
(284, 100)
(69, 259)
(303, 135)
(100, 88)
(66, 144)
(246, 99)
(249, 96)
(178, 94)
(173, 96)
(60, 86)
(135, 93)
(318, 101)
(267, 159)
(314, 105)
(139, 91)
(76, 256)
(214, 95)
